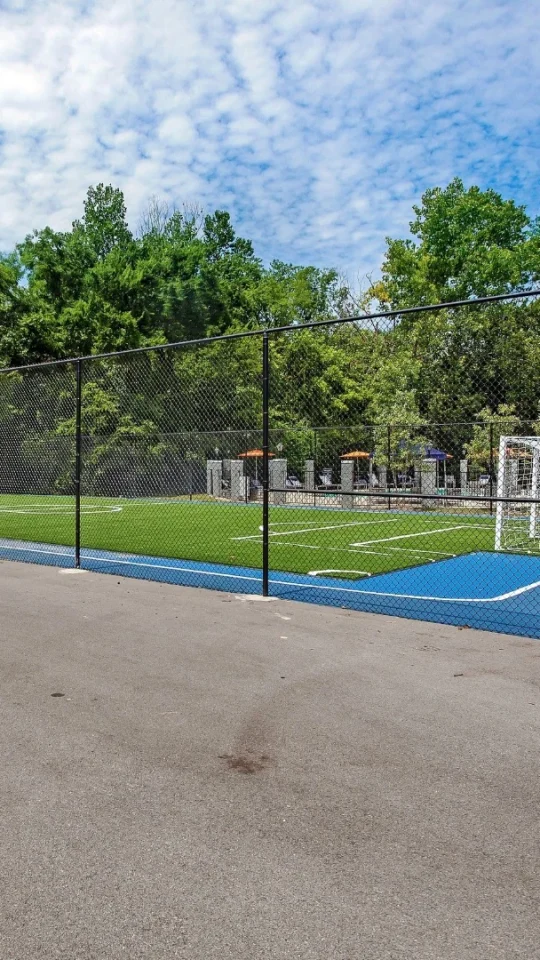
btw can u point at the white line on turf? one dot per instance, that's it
(351, 523)
(376, 553)
(408, 536)
(58, 511)
(334, 526)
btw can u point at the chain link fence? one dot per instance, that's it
(37, 463)
(387, 463)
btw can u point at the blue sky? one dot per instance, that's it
(317, 124)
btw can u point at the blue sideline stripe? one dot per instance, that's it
(490, 591)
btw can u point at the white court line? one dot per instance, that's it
(335, 526)
(317, 573)
(408, 536)
(67, 552)
(316, 586)
(412, 596)
(129, 563)
(285, 583)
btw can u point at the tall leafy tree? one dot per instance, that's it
(467, 243)
(105, 219)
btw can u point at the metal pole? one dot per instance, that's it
(78, 461)
(389, 454)
(315, 458)
(491, 468)
(247, 477)
(265, 477)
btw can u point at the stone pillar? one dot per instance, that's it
(278, 479)
(429, 476)
(238, 481)
(347, 481)
(309, 475)
(214, 476)
(463, 475)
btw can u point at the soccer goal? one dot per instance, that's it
(518, 523)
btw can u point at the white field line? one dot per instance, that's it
(87, 501)
(363, 523)
(334, 526)
(59, 512)
(287, 583)
(409, 536)
(375, 553)
(36, 506)
(317, 573)
(351, 523)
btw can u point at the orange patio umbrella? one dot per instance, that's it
(356, 455)
(256, 454)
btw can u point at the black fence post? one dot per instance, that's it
(247, 478)
(491, 468)
(315, 461)
(266, 446)
(389, 455)
(78, 461)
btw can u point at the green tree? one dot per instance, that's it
(104, 222)
(490, 426)
(468, 243)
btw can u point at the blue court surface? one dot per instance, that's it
(488, 591)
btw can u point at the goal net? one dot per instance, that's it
(518, 520)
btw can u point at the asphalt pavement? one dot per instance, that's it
(191, 774)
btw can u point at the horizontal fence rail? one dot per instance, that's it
(385, 315)
(414, 497)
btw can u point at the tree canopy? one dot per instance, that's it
(98, 287)
(185, 275)
(468, 243)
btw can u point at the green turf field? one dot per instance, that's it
(302, 539)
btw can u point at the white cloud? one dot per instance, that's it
(317, 125)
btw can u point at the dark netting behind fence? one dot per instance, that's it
(37, 463)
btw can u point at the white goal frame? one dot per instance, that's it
(532, 444)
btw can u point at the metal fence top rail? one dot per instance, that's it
(396, 494)
(241, 432)
(293, 327)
